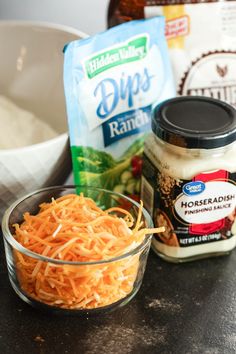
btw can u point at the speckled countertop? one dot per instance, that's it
(187, 308)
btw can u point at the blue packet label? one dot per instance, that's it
(112, 80)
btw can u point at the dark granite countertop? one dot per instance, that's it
(186, 308)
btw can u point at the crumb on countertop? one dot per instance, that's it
(39, 339)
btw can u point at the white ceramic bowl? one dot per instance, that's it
(31, 72)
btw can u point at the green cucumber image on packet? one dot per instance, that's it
(112, 81)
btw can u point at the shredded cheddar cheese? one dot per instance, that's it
(73, 228)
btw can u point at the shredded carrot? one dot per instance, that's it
(73, 228)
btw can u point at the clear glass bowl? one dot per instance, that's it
(27, 286)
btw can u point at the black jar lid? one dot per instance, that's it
(195, 122)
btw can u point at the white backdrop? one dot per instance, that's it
(89, 16)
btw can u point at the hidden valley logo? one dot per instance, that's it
(125, 90)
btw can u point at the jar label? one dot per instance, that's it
(194, 212)
(201, 38)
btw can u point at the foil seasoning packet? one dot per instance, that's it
(112, 81)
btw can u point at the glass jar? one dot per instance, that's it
(189, 174)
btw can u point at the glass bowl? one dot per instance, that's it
(126, 270)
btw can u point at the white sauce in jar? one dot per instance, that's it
(189, 175)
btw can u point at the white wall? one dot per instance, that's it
(89, 16)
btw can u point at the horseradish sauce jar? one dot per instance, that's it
(189, 174)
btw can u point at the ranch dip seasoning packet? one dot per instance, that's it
(112, 80)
